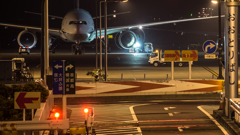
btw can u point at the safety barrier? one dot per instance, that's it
(44, 112)
(235, 105)
(34, 125)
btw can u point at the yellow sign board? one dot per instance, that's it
(189, 55)
(110, 36)
(27, 100)
(172, 55)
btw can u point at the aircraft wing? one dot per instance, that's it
(122, 28)
(53, 32)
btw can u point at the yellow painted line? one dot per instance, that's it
(211, 71)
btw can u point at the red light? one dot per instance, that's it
(20, 47)
(86, 110)
(27, 47)
(56, 115)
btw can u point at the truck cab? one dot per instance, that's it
(156, 58)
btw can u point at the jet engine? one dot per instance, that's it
(127, 39)
(27, 39)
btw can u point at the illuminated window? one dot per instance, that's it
(77, 22)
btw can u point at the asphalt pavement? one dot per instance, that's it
(150, 118)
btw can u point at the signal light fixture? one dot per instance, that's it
(56, 115)
(86, 110)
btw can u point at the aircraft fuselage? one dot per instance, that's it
(77, 26)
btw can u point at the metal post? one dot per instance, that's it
(232, 51)
(122, 76)
(144, 76)
(64, 104)
(226, 59)
(106, 42)
(32, 113)
(190, 70)
(24, 115)
(172, 69)
(100, 30)
(24, 119)
(56, 132)
(64, 98)
(46, 41)
(96, 36)
(219, 41)
(42, 40)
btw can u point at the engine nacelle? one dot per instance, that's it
(127, 39)
(27, 39)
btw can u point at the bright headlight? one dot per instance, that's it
(136, 45)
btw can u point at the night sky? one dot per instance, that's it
(142, 11)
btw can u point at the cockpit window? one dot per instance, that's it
(77, 22)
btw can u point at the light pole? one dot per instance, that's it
(96, 44)
(219, 39)
(100, 30)
(106, 42)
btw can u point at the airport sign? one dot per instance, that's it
(69, 77)
(27, 100)
(209, 47)
(172, 55)
(189, 55)
(58, 76)
(210, 56)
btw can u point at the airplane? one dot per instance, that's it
(78, 27)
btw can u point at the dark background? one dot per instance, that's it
(142, 11)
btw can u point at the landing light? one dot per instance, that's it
(140, 27)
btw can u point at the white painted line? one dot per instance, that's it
(209, 116)
(134, 115)
(180, 129)
(165, 108)
(170, 114)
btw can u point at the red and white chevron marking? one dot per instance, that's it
(149, 86)
(8, 127)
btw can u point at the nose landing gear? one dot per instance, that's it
(78, 49)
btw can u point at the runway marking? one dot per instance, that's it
(180, 128)
(167, 108)
(134, 115)
(210, 117)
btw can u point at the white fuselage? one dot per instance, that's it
(77, 26)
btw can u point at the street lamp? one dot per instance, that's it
(220, 39)
(106, 42)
